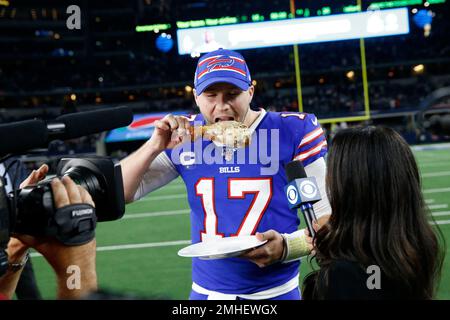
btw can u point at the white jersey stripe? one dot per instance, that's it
(311, 136)
(311, 152)
(261, 295)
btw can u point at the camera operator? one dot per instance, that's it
(58, 255)
(27, 288)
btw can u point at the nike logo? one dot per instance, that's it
(314, 121)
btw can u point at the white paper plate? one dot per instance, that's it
(221, 248)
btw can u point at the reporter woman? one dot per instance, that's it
(379, 218)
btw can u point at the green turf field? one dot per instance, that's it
(138, 254)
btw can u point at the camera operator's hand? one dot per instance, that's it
(73, 265)
(35, 176)
(16, 248)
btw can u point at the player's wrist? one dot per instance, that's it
(153, 149)
(296, 246)
(285, 248)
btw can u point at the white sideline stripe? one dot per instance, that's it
(438, 206)
(144, 245)
(432, 164)
(428, 201)
(175, 186)
(440, 213)
(426, 147)
(155, 214)
(134, 246)
(438, 190)
(440, 222)
(436, 174)
(167, 197)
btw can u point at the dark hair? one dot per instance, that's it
(379, 215)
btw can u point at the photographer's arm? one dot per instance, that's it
(16, 255)
(74, 265)
(59, 256)
(16, 249)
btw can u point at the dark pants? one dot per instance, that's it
(27, 287)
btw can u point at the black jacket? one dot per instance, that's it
(349, 281)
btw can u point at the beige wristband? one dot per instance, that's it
(296, 245)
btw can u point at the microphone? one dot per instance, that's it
(438, 124)
(22, 135)
(19, 136)
(80, 124)
(302, 192)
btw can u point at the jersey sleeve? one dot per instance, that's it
(311, 143)
(160, 172)
(318, 170)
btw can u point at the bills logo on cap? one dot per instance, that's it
(219, 63)
(222, 66)
(222, 63)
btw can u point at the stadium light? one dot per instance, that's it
(350, 75)
(418, 69)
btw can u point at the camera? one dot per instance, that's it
(31, 210)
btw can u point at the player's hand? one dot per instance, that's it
(169, 132)
(270, 252)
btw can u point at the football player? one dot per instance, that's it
(235, 191)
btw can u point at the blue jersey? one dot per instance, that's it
(245, 195)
